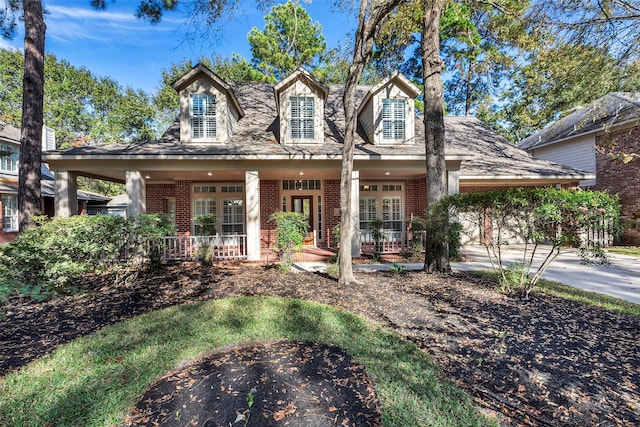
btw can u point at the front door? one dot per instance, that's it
(304, 205)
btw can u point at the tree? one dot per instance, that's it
(78, 105)
(289, 40)
(29, 174)
(436, 250)
(370, 18)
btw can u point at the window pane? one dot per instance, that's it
(202, 114)
(232, 216)
(301, 120)
(393, 119)
(9, 213)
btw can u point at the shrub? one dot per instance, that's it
(54, 252)
(546, 219)
(376, 226)
(205, 225)
(43, 260)
(290, 230)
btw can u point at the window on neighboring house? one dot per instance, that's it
(393, 119)
(8, 158)
(202, 114)
(301, 121)
(9, 213)
(232, 216)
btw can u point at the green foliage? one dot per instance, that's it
(80, 106)
(376, 226)
(205, 225)
(289, 40)
(290, 230)
(397, 269)
(107, 188)
(546, 219)
(45, 259)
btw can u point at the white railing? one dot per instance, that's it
(189, 248)
(391, 242)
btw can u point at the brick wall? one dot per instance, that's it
(623, 179)
(157, 195)
(269, 204)
(415, 197)
(331, 206)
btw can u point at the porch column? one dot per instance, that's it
(66, 193)
(453, 181)
(355, 214)
(136, 194)
(252, 191)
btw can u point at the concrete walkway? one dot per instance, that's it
(621, 279)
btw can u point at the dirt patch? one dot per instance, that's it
(545, 361)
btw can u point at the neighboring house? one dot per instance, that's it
(9, 161)
(245, 151)
(587, 138)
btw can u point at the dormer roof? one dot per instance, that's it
(196, 72)
(411, 90)
(307, 78)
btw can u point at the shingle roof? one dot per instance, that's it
(610, 110)
(10, 132)
(257, 133)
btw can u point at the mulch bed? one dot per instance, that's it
(544, 361)
(298, 384)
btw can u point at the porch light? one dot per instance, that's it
(301, 173)
(209, 173)
(387, 173)
(147, 177)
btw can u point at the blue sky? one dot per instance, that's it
(114, 43)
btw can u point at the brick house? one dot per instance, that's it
(9, 161)
(586, 140)
(242, 151)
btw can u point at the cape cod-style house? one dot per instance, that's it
(243, 151)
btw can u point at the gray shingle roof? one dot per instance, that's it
(610, 110)
(10, 132)
(257, 133)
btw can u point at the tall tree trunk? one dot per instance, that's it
(437, 245)
(369, 21)
(29, 197)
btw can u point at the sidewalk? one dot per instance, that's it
(621, 279)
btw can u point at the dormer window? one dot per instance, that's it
(302, 118)
(202, 115)
(393, 119)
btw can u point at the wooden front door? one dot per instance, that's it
(304, 205)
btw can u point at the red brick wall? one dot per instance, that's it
(415, 194)
(269, 204)
(8, 237)
(183, 207)
(157, 195)
(331, 206)
(623, 179)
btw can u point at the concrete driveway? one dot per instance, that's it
(621, 279)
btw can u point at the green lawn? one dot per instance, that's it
(95, 380)
(625, 250)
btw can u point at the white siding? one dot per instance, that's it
(579, 153)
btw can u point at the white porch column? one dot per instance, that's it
(66, 193)
(136, 194)
(355, 214)
(453, 181)
(252, 191)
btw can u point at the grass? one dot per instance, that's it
(560, 290)
(625, 250)
(95, 380)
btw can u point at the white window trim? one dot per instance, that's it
(306, 122)
(12, 213)
(394, 116)
(208, 115)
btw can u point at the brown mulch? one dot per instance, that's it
(544, 361)
(298, 384)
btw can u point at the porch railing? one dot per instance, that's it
(391, 242)
(189, 248)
